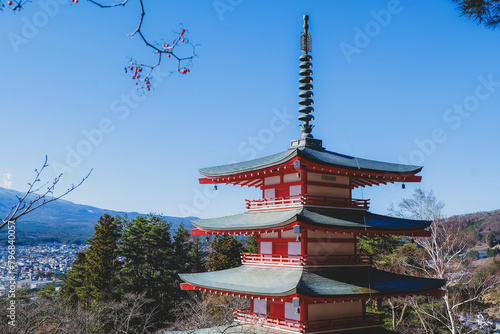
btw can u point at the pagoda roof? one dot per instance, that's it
(321, 156)
(335, 282)
(345, 219)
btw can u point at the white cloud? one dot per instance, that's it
(6, 181)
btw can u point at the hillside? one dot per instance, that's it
(482, 227)
(62, 220)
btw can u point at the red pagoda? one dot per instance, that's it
(307, 276)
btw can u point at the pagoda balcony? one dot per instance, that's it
(305, 200)
(304, 260)
(248, 318)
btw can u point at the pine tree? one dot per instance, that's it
(147, 248)
(102, 260)
(252, 245)
(226, 253)
(75, 289)
(188, 254)
(485, 12)
(381, 248)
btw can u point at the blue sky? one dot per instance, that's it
(394, 81)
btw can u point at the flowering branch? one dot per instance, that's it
(160, 49)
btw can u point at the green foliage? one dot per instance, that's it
(48, 291)
(148, 252)
(102, 264)
(381, 248)
(93, 275)
(147, 247)
(493, 238)
(492, 252)
(252, 245)
(139, 257)
(75, 288)
(483, 12)
(188, 253)
(472, 254)
(226, 253)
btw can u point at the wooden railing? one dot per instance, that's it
(304, 260)
(246, 317)
(301, 200)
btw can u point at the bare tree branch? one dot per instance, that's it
(31, 200)
(108, 6)
(143, 82)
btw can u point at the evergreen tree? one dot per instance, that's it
(188, 254)
(252, 245)
(226, 253)
(48, 291)
(75, 289)
(102, 263)
(147, 248)
(381, 248)
(93, 275)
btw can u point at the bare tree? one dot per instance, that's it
(45, 315)
(398, 311)
(204, 310)
(161, 49)
(37, 195)
(127, 316)
(440, 257)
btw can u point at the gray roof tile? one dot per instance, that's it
(333, 218)
(318, 155)
(331, 282)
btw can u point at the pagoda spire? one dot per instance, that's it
(306, 82)
(306, 93)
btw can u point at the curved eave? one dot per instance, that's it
(340, 282)
(248, 166)
(249, 221)
(363, 282)
(345, 161)
(355, 221)
(324, 157)
(247, 280)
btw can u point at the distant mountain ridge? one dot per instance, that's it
(62, 220)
